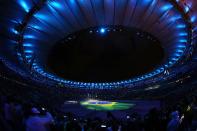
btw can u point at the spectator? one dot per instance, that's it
(8, 109)
(174, 122)
(36, 122)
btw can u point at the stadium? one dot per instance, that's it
(98, 65)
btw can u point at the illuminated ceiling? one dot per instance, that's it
(32, 27)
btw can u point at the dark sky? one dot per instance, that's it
(105, 57)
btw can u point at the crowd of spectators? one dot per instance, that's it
(22, 109)
(18, 116)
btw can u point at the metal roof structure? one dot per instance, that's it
(30, 28)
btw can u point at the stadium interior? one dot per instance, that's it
(98, 65)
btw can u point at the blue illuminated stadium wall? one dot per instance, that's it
(58, 18)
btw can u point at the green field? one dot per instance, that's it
(106, 106)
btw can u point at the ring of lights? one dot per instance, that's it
(166, 20)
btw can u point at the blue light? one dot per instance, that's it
(41, 17)
(177, 55)
(56, 5)
(181, 46)
(183, 40)
(27, 45)
(35, 27)
(188, 6)
(186, 9)
(179, 51)
(39, 70)
(181, 26)
(29, 37)
(24, 5)
(14, 31)
(174, 18)
(183, 34)
(19, 54)
(72, 1)
(170, 62)
(166, 7)
(102, 30)
(147, 1)
(193, 19)
(28, 51)
(174, 59)
(28, 56)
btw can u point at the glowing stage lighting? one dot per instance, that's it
(102, 30)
